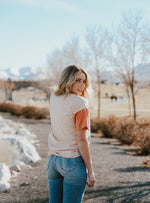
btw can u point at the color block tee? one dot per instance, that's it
(68, 114)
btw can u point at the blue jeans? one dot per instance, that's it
(66, 179)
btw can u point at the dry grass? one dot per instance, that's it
(34, 112)
(26, 112)
(143, 137)
(120, 108)
(105, 126)
(125, 130)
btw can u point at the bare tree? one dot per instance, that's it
(55, 63)
(97, 42)
(72, 51)
(7, 86)
(129, 50)
(70, 54)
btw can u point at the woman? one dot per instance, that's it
(69, 161)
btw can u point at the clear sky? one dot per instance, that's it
(31, 29)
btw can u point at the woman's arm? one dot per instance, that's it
(85, 153)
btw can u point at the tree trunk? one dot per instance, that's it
(99, 95)
(129, 105)
(133, 100)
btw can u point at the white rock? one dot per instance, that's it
(14, 174)
(4, 186)
(4, 177)
(28, 153)
(22, 139)
(15, 168)
(23, 150)
(4, 173)
(25, 132)
(25, 166)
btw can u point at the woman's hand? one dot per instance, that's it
(91, 179)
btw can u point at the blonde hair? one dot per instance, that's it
(67, 79)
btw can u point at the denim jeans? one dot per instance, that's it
(66, 179)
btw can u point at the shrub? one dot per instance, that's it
(16, 110)
(41, 113)
(27, 112)
(105, 125)
(5, 107)
(125, 129)
(95, 126)
(34, 112)
(11, 108)
(108, 127)
(143, 138)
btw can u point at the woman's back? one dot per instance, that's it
(62, 139)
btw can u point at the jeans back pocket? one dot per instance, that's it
(68, 164)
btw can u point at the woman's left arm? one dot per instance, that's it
(85, 153)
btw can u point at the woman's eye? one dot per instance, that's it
(84, 81)
(77, 80)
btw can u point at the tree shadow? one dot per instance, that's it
(101, 143)
(120, 194)
(134, 169)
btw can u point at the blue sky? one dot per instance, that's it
(31, 29)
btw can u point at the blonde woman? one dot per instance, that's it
(69, 161)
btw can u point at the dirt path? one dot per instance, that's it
(121, 177)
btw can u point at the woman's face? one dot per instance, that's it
(79, 85)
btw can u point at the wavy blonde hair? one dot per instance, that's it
(67, 79)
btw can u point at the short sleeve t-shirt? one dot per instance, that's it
(68, 114)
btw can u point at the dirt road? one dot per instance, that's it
(121, 176)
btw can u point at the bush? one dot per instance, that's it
(105, 126)
(95, 126)
(108, 127)
(35, 113)
(41, 113)
(16, 110)
(4, 107)
(143, 143)
(143, 138)
(125, 130)
(27, 112)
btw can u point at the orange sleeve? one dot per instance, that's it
(81, 119)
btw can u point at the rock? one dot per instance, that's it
(15, 168)
(25, 166)
(14, 174)
(4, 177)
(4, 173)
(28, 153)
(4, 186)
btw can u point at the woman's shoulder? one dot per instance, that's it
(77, 98)
(78, 102)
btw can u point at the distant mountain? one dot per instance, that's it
(142, 72)
(23, 73)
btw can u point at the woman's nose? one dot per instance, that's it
(82, 84)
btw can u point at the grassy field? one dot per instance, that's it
(120, 107)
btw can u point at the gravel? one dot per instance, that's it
(120, 172)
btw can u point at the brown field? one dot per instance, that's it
(120, 107)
